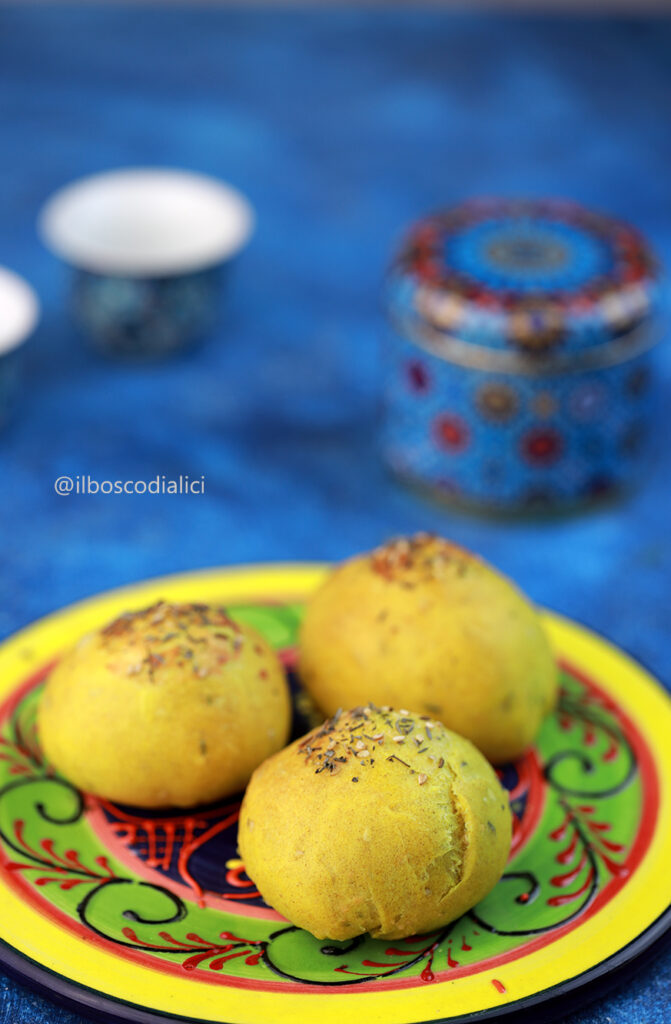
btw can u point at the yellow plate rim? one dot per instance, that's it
(150, 1000)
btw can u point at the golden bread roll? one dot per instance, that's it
(423, 622)
(173, 705)
(378, 821)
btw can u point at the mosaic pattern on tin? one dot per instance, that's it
(506, 441)
(533, 275)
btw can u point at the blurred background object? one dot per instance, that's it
(519, 355)
(19, 312)
(148, 246)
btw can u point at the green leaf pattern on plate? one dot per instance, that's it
(582, 793)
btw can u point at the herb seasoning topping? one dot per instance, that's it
(409, 561)
(196, 637)
(351, 737)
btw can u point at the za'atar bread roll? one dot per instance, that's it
(379, 821)
(424, 623)
(173, 705)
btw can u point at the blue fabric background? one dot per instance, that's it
(341, 125)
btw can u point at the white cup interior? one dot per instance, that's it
(19, 310)
(146, 222)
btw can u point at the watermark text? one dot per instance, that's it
(85, 484)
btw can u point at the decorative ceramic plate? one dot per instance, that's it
(148, 917)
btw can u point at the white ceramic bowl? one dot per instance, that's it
(146, 222)
(19, 313)
(147, 246)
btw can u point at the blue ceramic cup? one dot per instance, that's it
(19, 312)
(148, 247)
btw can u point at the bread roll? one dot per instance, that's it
(173, 705)
(423, 622)
(379, 821)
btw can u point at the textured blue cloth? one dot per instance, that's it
(341, 126)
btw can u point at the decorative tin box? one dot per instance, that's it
(518, 367)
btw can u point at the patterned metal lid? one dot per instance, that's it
(534, 277)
